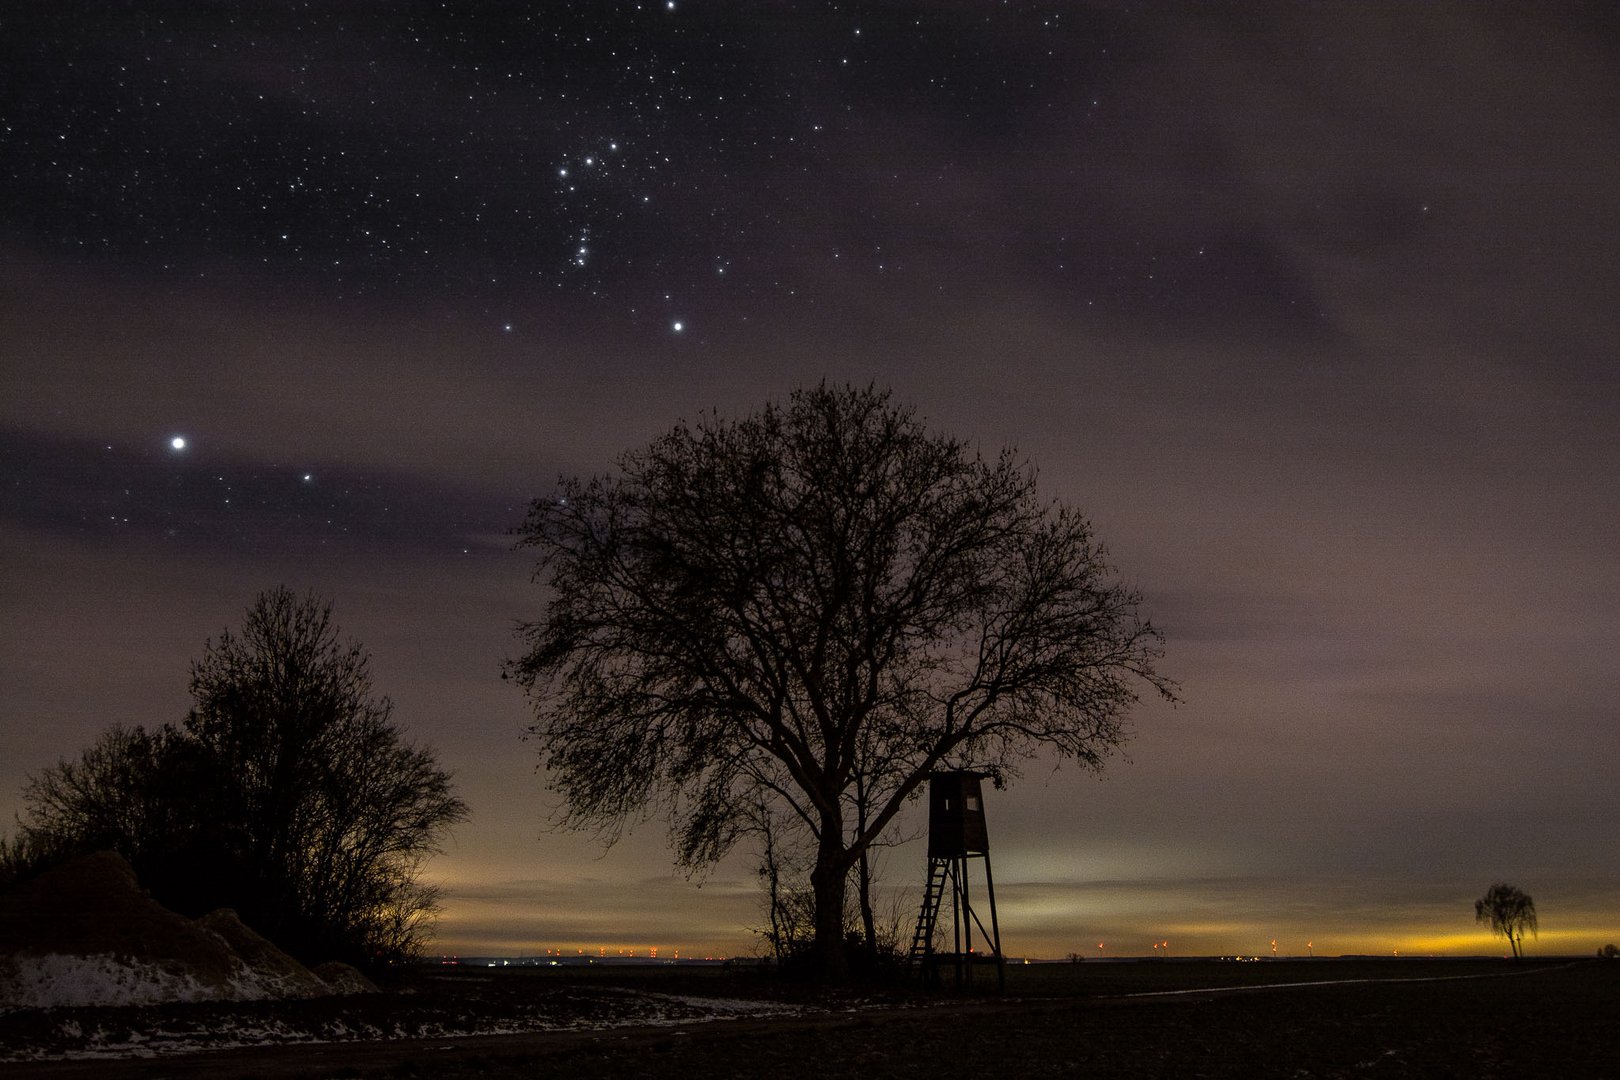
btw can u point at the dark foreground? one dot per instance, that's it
(1417, 1019)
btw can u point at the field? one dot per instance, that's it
(1322, 1018)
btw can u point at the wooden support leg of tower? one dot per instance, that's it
(995, 929)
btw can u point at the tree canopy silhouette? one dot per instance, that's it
(822, 592)
(1508, 911)
(288, 793)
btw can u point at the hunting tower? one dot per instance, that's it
(956, 833)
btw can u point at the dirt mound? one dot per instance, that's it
(84, 933)
(274, 968)
(342, 978)
(89, 902)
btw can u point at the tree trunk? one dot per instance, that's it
(868, 920)
(828, 881)
(864, 882)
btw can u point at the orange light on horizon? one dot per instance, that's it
(663, 953)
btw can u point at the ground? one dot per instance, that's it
(1385, 1018)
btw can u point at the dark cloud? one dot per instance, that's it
(201, 501)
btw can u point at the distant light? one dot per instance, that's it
(309, 478)
(178, 442)
(677, 326)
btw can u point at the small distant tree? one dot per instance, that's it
(287, 793)
(1508, 911)
(1609, 952)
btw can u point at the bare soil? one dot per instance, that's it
(1401, 1019)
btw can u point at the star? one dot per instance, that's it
(177, 443)
(677, 326)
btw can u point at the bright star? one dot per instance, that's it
(677, 326)
(178, 443)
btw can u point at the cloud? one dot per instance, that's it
(146, 492)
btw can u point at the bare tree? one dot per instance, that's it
(332, 811)
(288, 793)
(877, 940)
(1507, 911)
(120, 794)
(821, 592)
(789, 908)
(24, 854)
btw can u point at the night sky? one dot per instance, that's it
(1312, 308)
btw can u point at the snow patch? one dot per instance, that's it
(56, 980)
